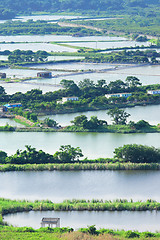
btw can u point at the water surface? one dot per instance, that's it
(141, 221)
(93, 145)
(137, 113)
(60, 185)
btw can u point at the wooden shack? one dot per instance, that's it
(2, 75)
(44, 74)
(50, 222)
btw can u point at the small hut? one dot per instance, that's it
(50, 222)
(44, 74)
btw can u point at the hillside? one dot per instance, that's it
(26, 6)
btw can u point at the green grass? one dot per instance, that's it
(97, 166)
(21, 122)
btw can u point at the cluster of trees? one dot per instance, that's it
(119, 116)
(126, 57)
(19, 56)
(41, 27)
(134, 21)
(133, 153)
(93, 123)
(66, 154)
(91, 96)
(55, 5)
(137, 154)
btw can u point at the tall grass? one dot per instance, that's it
(13, 206)
(79, 166)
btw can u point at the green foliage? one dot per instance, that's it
(67, 153)
(138, 153)
(50, 122)
(3, 156)
(142, 124)
(19, 56)
(119, 116)
(132, 81)
(39, 27)
(7, 128)
(93, 123)
(131, 234)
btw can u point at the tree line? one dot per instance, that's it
(31, 27)
(55, 5)
(132, 153)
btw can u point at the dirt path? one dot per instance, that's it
(65, 24)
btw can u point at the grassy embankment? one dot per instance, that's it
(124, 129)
(91, 165)
(13, 206)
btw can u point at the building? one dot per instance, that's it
(2, 75)
(11, 105)
(125, 95)
(44, 74)
(66, 99)
(153, 92)
(50, 222)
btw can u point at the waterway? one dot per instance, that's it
(141, 221)
(60, 185)
(93, 145)
(137, 113)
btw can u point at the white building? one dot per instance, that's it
(126, 95)
(66, 99)
(153, 92)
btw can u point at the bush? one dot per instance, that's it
(130, 234)
(138, 153)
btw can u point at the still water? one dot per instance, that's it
(59, 38)
(141, 221)
(137, 113)
(147, 74)
(93, 145)
(60, 185)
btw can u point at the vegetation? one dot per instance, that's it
(89, 165)
(119, 116)
(131, 153)
(19, 56)
(13, 206)
(65, 154)
(137, 153)
(67, 233)
(129, 56)
(91, 97)
(39, 27)
(7, 128)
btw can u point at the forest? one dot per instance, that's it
(55, 5)
(9, 8)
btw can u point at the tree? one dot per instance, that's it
(93, 123)
(132, 82)
(50, 122)
(142, 124)
(119, 116)
(101, 83)
(80, 120)
(137, 153)
(86, 83)
(2, 90)
(116, 86)
(67, 154)
(3, 156)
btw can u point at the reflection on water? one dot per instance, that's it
(141, 221)
(137, 113)
(60, 185)
(93, 145)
